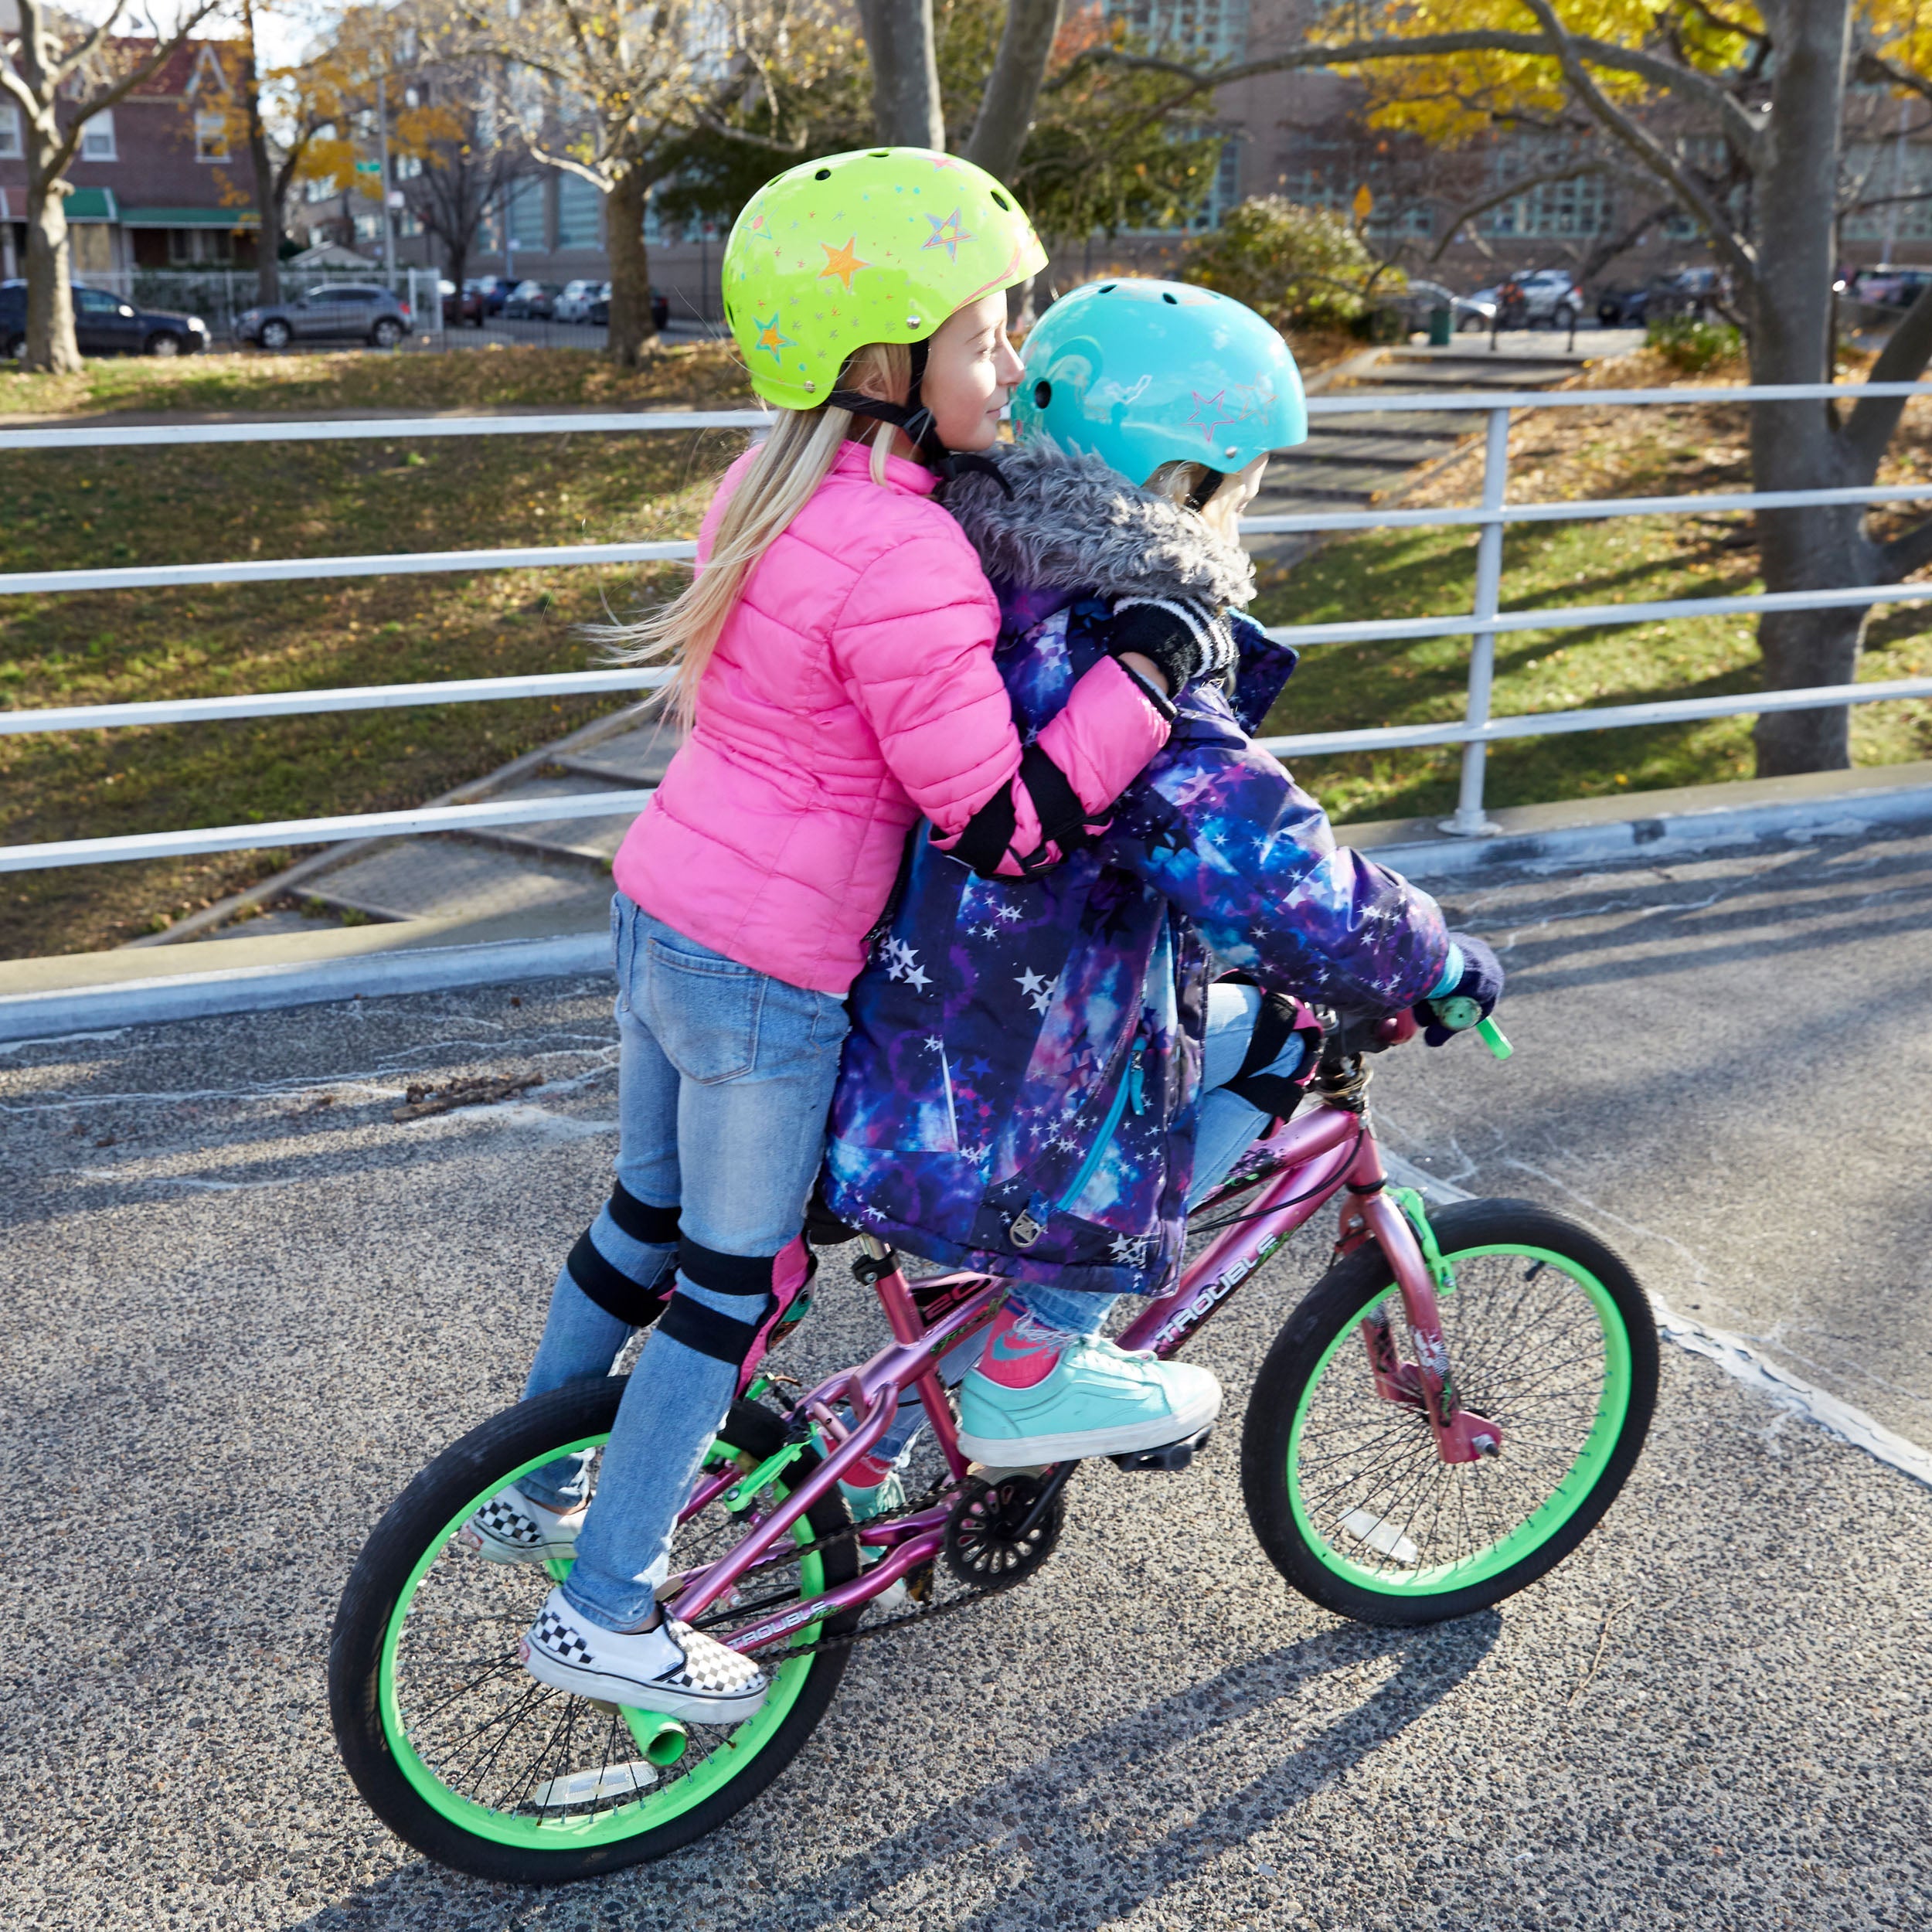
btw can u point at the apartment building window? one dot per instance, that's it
(526, 215)
(97, 138)
(1894, 179)
(10, 146)
(211, 136)
(1216, 29)
(579, 203)
(1552, 210)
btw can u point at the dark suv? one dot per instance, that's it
(352, 311)
(103, 325)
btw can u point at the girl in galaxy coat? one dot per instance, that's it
(1044, 1073)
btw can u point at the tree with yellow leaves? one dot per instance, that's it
(1661, 83)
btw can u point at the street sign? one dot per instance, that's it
(368, 168)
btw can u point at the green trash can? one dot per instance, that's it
(1441, 327)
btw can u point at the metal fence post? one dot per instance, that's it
(1471, 820)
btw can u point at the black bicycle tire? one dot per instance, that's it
(1337, 1300)
(506, 1442)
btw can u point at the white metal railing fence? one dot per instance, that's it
(1483, 623)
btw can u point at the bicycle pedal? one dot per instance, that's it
(1170, 1456)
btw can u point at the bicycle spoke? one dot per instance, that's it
(1527, 1349)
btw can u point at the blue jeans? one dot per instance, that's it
(1227, 1128)
(724, 1080)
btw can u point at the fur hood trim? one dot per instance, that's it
(1073, 523)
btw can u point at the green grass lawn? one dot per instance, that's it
(149, 506)
(90, 507)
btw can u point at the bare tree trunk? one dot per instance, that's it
(1005, 116)
(51, 347)
(1796, 445)
(268, 205)
(905, 72)
(631, 327)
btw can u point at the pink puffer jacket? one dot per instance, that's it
(852, 692)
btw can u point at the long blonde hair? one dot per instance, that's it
(793, 459)
(1183, 483)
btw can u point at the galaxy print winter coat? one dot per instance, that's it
(1020, 1089)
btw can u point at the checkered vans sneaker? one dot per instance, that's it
(674, 1670)
(511, 1528)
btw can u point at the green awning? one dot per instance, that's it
(185, 217)
(92, 204)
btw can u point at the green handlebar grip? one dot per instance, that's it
(1490, 1034)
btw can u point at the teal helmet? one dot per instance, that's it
(1141, 373)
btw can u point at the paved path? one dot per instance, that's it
(244, 1305)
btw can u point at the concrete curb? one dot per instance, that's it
(1835, 804)
(123, 988)
(297, 982)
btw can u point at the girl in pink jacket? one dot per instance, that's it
(836, 675)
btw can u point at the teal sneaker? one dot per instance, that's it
(885, 1498)
(1098, 1400)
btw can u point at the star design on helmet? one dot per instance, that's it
(771, 336)
(1211, 412)
(758, 229)
(947, 234)
(842, 262)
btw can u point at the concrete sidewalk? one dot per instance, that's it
(246, 1305)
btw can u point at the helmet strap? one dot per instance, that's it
(1198, 500)
(914, 421)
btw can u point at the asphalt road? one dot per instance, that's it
(245, 1305)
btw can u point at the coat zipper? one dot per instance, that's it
(1129, 1090)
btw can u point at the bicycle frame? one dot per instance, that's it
(1306, 1162)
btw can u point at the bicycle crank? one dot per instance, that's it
(1003, 1528)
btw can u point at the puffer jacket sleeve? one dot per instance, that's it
(1226, 835)
(914, 648)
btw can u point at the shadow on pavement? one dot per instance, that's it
(1110, 1798)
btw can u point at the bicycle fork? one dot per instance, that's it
(1428, 1383)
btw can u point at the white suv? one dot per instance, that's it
(573, 305)
(1545, 295)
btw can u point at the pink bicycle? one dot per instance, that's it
(1444, 1416)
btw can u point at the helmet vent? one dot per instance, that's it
(1175, 300)
(1001, 202)
(881, 154)
(1107, 288)
(822, 174)
(1042, 394)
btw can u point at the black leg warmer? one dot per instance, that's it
(723, 1338)
(639, 1302)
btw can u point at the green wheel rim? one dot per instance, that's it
(1567, 1493)
(660, 1803)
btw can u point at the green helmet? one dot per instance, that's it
(879, 245)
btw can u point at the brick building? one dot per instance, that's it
(155, 185)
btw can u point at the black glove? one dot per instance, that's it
(1187, 640)
(1473, 997)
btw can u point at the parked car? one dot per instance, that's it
(660, 308)
(1476, 310)
(1542, 295)
(103, 325)
(462, 305)
(531, 301)
(495, 290)
(1889, 287)
(1623, 306)
(1695, 292)
(573, 305)
(353, 311)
